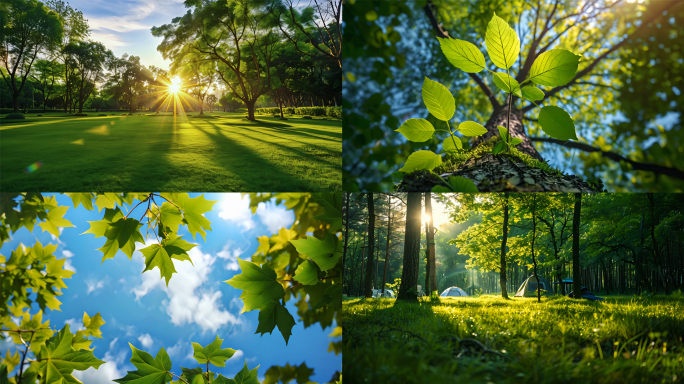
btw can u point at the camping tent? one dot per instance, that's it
(453, 292)
(529, 287)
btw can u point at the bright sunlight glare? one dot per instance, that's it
(175, 84)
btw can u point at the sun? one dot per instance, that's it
(175, 85)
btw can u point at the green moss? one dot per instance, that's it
(454, 160)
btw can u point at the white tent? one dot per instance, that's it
(453, 292)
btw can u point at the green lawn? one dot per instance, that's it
(492, 340)
(163, 153)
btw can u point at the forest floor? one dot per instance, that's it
(58, 152)
(491, 340)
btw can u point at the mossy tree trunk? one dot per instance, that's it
(368, 282)
(504, 239)
(577, 286)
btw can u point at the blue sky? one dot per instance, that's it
(197, 305)
(124, 26)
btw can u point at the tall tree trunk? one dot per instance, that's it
(431, 244)
(250, 109)
(504, 239)
(387, 247)
(368, 291)
(427, 261)
(577, 287)
(346, 236)
(534, 237)
(363, 254)
(409, 274)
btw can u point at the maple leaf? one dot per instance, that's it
(212, 353)
(57, 359)
(54, 220)
(160, 255)
(275, 314)
(150, 370)
(193, 210)
(322, 252)
(259, 285)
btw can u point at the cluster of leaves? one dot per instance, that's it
(554, 67)
(296, 265)
(157, 370)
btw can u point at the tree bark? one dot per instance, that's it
(431, 244)
(577, 287)
(504, 239)
(368, 284)
(409, 274)
(389, 233)
(534, 236)
(346, 236)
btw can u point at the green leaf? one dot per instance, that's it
(438, 100)
(503, 45)
(106, 200)
(82, 198)
(160, 255)
(452, 143)
(54, 220)
(417, 130)
(307, 273)
(92, 325)
(195, 375)
(276, 314)
(3, 373)
(150, 371)
(554, 67)
(57, 359)
(557, 123)
(212, 353)
(245, 376)
(499, 147)
(121, 234)
(463, 55)
(471, 128)
(532, 93)
(515, 141)
(258, 284)
(421, 160)
(98, 228)
(168, 215)
(332, 204)
(322, 252)
(461, 184)
(80, 342)
(507, 83)
(193, 213)
(503, 132)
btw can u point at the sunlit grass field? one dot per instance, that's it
(167, 153)
(491, 340)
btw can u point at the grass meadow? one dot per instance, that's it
(224, 152)
(488, 339)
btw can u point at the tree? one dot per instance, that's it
(409, 273)
(504, 238)
(75, 28)
(29, 29)
(233, 33)
(368, 284)
(87, 60)
(597, 30)
(45, 74)
(576, 280)
(134, 81)
(430, 238)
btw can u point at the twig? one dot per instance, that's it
(179, 378)
(136, 206)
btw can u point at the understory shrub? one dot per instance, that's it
(333, 112)
(14, 116)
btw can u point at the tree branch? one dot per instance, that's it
(637, 166)
(429, 12)
(605, 54)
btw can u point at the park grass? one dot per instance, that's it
(163, 153)
(491, 340)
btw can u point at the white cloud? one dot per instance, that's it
(146, 340)
(67, 253)
(274, 216)
(68, 266)
(74, 325)
(113, 343)
(236, 356)
(106, 373)
(231, 256)
(236, 208)
(188, 302)
(108, 39)
(94, 285)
